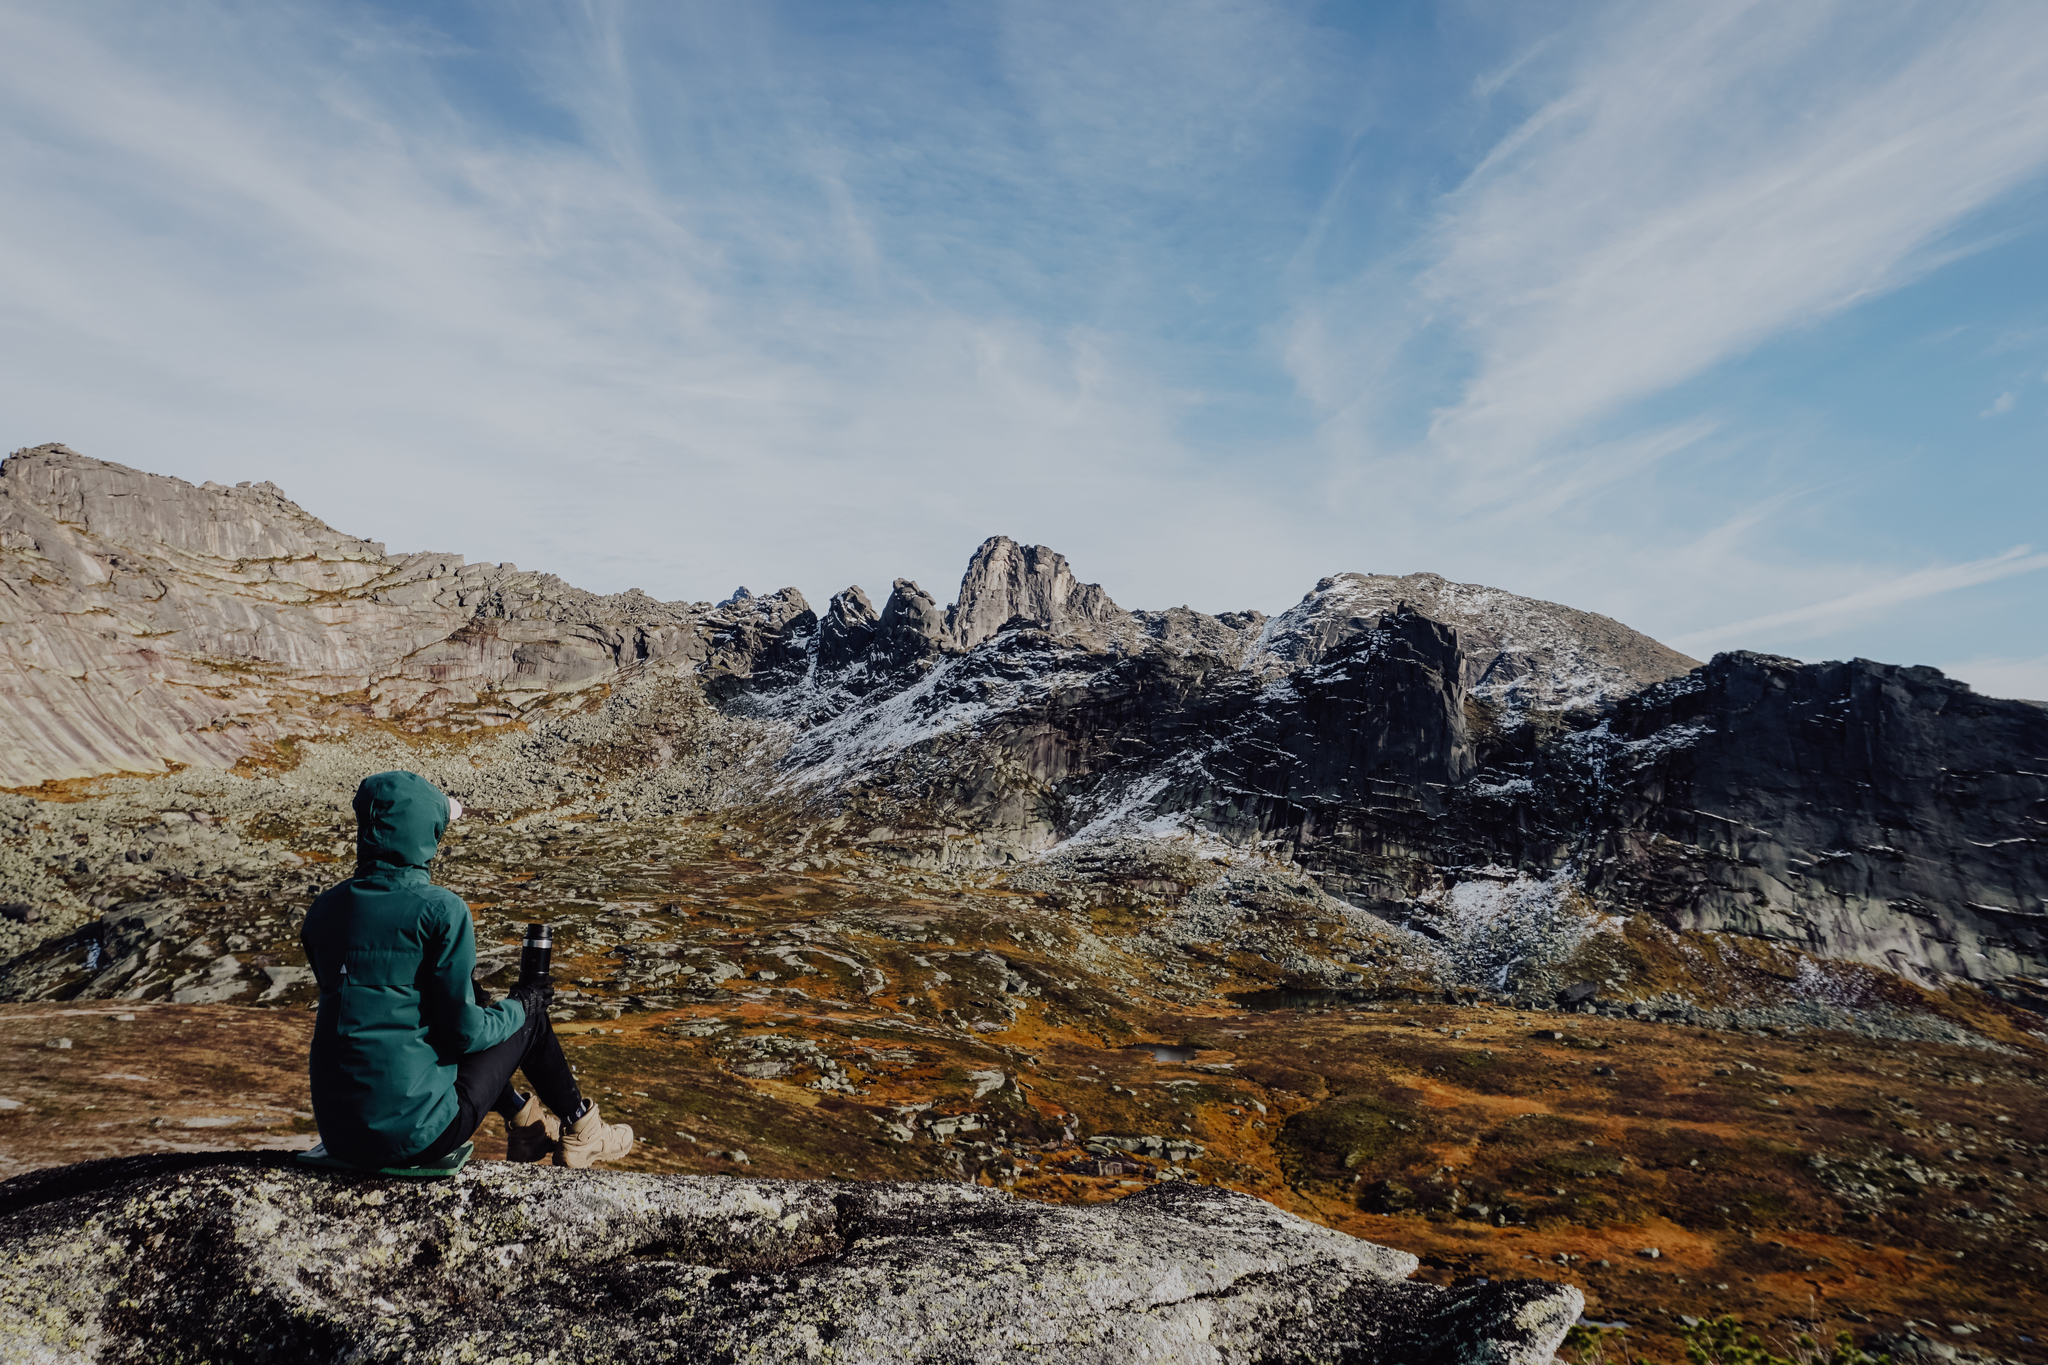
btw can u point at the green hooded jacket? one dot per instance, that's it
(393, 954)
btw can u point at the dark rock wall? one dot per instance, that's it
(847, 631)
(1380, 721)
(1858, 809)
(912, 628)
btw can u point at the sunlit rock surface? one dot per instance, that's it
(140, 1260)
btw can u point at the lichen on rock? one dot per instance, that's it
(252, 1260)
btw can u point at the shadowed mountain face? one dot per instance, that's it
(1412, 742)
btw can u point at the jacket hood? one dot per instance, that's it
(399, 819)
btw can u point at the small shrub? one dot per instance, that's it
(1721, 1341)
(1724, 1341)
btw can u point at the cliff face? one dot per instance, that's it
(1860, 811)
(1863, 810)
(248, 1262)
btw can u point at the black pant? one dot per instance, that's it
(483, 1082)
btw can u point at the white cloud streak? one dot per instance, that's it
(1714, 176)
(2026, 679)
(1693, 182)
(1825, 618)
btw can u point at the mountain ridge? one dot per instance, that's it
(1397, 738)
(213, 604)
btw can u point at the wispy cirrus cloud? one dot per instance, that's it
(1822, 618)
(878, 296)
(1689, 183)
(1713, 176)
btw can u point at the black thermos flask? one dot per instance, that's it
(536, 956)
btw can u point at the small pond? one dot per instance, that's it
(1166, 1052)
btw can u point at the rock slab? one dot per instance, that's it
(252, 1260)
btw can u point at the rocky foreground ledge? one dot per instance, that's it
(247, 1259)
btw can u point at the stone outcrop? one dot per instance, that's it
(911, 631)
(249, 1260)
(1860, 810)
(763, 641)
(1379, 720)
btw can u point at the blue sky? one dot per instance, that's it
(1729, 320)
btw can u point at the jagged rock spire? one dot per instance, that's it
(1005, 579)
(911, 629)
(847, 630)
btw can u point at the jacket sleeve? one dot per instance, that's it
(458, 1024)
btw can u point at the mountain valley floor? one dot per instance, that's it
(775, 998)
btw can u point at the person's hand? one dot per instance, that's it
(536, 998)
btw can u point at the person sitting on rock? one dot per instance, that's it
(407, 1053)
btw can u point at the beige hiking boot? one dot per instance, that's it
(533, 1133)
(591, 1139)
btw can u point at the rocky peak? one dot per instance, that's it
(911, 629)
(1005, 580)
(773, 611)
(847, 630)
(1518, 651)
(162, 621)
(65, 506)
(114, 499)
(763, 639)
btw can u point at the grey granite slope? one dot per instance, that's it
(143, 1260)
(145, 620)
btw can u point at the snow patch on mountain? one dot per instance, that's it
(1491, 927)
